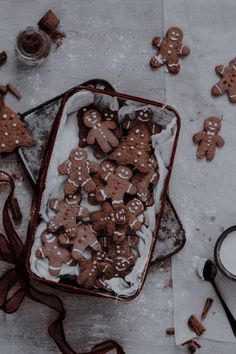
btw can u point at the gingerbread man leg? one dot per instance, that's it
(70, 187)
(157, 61)
(201, 151)
(218, 89)
(54, 268)
(173, 65)
(211, 153)
(232, 95)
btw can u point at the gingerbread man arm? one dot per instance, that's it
(109, 124)
(39, 253)
(133, 240)
(219, 69)
(64, 240)
(93, 166)
(91, 137)
(63, 168)
(184, 51)
(219, 141)
(156, 42)
(131, 189)
(198, 137)
(83, 212)
(54, 204)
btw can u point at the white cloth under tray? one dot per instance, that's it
(203, 193)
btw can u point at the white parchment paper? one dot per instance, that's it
(206, 205)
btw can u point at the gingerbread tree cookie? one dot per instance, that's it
(228, 82)
(142, 116)
(78, 169)
(142, 181)
(117, 184)
(133, 149)
(67, 212)
(100, 131)
(85, 237)
(56, 255)
(170, 48)
(209, 139)
(108, 218)
(13, 131)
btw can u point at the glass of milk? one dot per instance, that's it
(225, 252)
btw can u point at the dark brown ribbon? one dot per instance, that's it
(13, 251)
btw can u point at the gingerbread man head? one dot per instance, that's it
(212, 124)
(135, 206)
(78, 154)
(124, 172)
(92, 118)
(174, 34)
(107, 166)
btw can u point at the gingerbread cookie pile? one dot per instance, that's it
(103, 243)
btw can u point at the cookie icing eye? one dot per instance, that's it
(210, 123)
(173, 32)
(215, 124)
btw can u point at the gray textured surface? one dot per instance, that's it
(108, 39)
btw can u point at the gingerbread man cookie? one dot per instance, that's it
(108, 218)
(143, 181)
(78, 169)
(120, 257)
(209, 139)
(56, 255)
(133, 149)
(100, 131)
(85, 237)
(228, 82)
(105, 166)
(67, 212)
(13, 131)
(170, 48)
(83, 129)
(117, 184)
(142, 116)
(90, 270)
(135, 215)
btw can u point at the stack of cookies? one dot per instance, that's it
(103, 243)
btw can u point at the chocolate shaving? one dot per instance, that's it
(3, 57)
(15, 209)
(58, 37)
(192, 345)
(13, 90)
(206, 308)
(196, 326)
(170, 331)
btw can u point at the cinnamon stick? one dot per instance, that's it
(196, 326)
(13, 90)
(192, 345)
(206, 308)
(170, 331)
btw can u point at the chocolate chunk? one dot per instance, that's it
(49, 22)
(3, 58)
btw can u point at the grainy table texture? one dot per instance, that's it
(107, 39)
